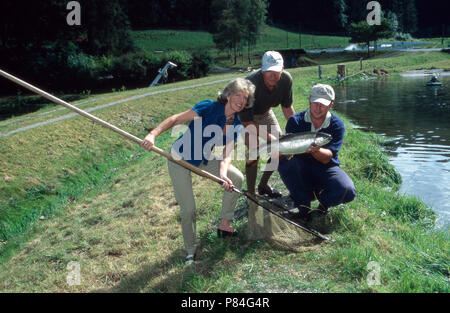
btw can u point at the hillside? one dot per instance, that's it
(71, 191)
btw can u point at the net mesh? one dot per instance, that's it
(262, 224)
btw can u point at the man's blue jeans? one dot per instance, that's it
(306, 179)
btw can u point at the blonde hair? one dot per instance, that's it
(238, 85)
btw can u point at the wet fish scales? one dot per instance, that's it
(296, 143)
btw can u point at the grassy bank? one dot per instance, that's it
(113, 211)
(270, 38)
(275, 38)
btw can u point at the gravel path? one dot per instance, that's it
(64, 117)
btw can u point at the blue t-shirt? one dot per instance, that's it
(297, 124)
(206, 132)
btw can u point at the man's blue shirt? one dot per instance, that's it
(297, 124)
(195, 145)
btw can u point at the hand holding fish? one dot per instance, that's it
(322, 155)
(313, 149)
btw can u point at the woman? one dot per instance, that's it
(195, 146)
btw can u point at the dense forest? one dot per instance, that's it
(422, 18)
(36, 40)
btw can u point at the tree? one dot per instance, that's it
(391, 16)
(356, 10)
(36, 40)
(107, 27)
(340, 16)
(227, 31)
(410, 17)
(361, 33)
(255, 17)
(236, 22)
(364, 33)
(384, 30)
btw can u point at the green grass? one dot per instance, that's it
(162, 40)
(281, 39)
(157, 40)
(436, 42)
(270, 38)
(108, 205)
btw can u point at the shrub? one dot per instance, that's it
(64, 67)
(403, 36)
(129, 67)
(201, 63)
(81, 67)
(183, 60)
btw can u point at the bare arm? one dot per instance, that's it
(288, 111)
(149, 140)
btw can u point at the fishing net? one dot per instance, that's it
(265, 225)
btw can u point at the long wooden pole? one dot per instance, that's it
(154, 148)
(112, 127)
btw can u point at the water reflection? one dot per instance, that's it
(417, 119)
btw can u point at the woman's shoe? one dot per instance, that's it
(223, 233)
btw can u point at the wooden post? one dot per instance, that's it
(341, 70)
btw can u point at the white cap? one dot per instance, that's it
(322, 93)
(272, 61)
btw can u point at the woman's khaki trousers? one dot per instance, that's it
(182, 185)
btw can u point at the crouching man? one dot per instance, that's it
(316, 174)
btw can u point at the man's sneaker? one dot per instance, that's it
(271, 192)
(322, 209)
(304, 214)
(321, 221)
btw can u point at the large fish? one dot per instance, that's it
(293, 143)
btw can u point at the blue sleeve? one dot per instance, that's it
(337, 133)
(203, 108)
(292, 125)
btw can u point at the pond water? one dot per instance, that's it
(417, 118)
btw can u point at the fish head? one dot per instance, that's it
(322, 139)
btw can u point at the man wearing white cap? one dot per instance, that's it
(316, 174)
(273, 87)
